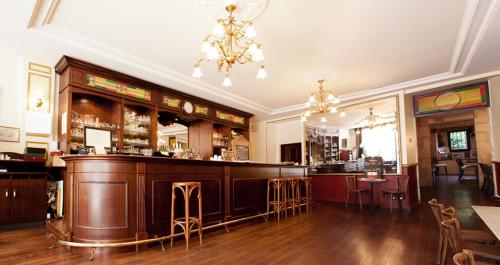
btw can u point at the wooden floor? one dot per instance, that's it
(331, 234)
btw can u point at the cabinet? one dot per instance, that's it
(23, 197)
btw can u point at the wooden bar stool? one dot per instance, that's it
(187, 222)
(308, 192)
(278, 186)
(294, 189)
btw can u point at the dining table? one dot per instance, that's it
(490, 216)
(372, 181)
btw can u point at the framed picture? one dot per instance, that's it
(9, 134)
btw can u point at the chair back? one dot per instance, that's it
(402, 183)
(434, 161)
(460, 162)
(436, 210)
(464, 258)
(452, 233)
(487, 170)
(351, 183)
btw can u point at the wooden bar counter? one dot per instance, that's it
(119, 198)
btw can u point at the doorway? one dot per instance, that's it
(452, 147)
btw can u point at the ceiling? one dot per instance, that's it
(378, 46)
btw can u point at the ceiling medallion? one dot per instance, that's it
(231, 41)
(320, 102)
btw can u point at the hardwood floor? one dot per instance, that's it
(331, 234)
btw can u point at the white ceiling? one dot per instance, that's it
(379, 46)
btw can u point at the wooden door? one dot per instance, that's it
(38, 199)
(21, 208)
(4, 201)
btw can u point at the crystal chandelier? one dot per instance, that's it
(371, 121)
(231, 41)
(321, 101)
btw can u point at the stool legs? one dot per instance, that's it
(187, 222)
(172, 211)
(200, 222)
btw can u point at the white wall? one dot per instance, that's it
(266, 138)
(12, 98)
(13, 93)
(494, 84)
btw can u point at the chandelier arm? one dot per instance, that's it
(199, 61)
(221, 48)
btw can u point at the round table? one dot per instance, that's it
(372, 181)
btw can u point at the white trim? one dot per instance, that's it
(490, 14)
(50, 12)
(451, 82)
(463, 33)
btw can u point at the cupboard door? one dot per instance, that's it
(38, 199)
(20, 201)
(5, 196)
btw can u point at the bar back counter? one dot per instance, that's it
(121, 198)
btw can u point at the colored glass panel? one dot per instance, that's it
(117, 87)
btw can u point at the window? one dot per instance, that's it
(458, 140)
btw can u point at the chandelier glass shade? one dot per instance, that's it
(321, 101)
(231, 41)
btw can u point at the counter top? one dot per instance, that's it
(169, 160)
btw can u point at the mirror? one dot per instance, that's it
(369, 129)
(172, 132)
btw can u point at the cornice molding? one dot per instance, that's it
(488, 17)
(463, 33)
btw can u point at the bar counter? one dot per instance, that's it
(332, 187)
(120, 198)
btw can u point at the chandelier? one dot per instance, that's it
(321, 101)
(371, 121)
(231, 41)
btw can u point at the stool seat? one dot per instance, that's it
(187, 222)
(190, 183)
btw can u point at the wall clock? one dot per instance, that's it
(188, 107)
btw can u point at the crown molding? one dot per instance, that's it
(488, 17)
(463, 33)
(453, 81)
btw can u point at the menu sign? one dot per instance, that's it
(242, 153)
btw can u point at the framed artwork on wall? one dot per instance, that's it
(9, 134)
(39, 92)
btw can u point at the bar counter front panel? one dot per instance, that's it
(332, 187)
(119, 198)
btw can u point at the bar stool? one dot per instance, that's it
(278, 186)
(187, 222)
(308, 192)
(293, 194)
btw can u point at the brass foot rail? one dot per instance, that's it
(94, 246)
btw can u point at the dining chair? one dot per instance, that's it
(396, 194)
(467, 234)
(488, 186)
(436, 208)
(462, 167)
(465, 258)
(455, 242)
(352, 188)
